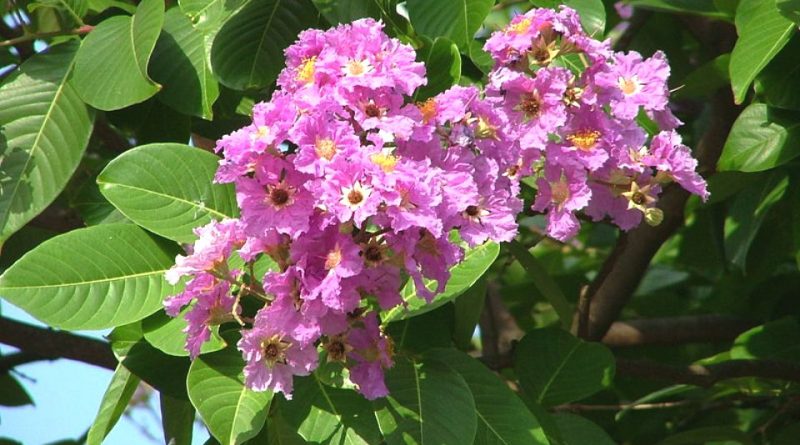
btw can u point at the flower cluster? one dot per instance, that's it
(576, 106)
(347, 187)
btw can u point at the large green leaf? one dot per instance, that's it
(166, 334)
(776, 85)
(167, 189)
(181, 63)
(699, 7)
(555, 367)
(232, 412)
(442, 66)
(577, 430)
(208, 16)
(111, 66)
(248, 50)
(747, 213)
(457, 20)
(476, 262)
(177, 420)
(763, 31)
(325, 415)
(707, 435)
(707, 79)
(163, 372)
(45, 129)
(774, 340)
(92, 278)
(592, 12)
(428, 403)
(502, 417)
(761, 138)
(115, 401)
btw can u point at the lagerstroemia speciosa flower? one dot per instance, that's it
(350, 188)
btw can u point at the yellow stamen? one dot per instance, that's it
(305, 73)
(584, 140)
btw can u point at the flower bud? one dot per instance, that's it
(653, 216)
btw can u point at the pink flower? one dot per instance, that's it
(210, 252)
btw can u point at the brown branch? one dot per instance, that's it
(9, 362)
(499, 330)
(51, 344)
(676, 330)
(708, 375)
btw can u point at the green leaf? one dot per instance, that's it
(339, 11)
(555, 367)
(774, 340)
(12, 393)
(457, 20)
(790, 9)
(442, 65)
(763, 31)
(592, 12)
(748, 211)
(92, 278)
(46, 128)
(462, 276)
(776, 84)
(115, 401)
(111, 66)
(542, 280)
(577, 430)
(93, 207)
(428, 403)
(102, 5)
(232, 412)
(707, 79)
(502, 417)
(248, 50)
(325, 415)
(166, 334)
(177, 420)
(761, 138)
(168, 189)
(705, 8)
(208, 16)
(163, 372)
(180, 63)
(468, 310)
(707, 435)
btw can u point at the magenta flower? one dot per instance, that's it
(273, 356)
(372, 352)
(210, 252)
(632, 82)
(562, 192)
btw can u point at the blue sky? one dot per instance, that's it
(67, 395)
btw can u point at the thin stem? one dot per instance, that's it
(85, 29)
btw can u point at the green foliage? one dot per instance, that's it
(232, 412)
(111, 65)
(169, 78)
(554, 367)
(458, 20)
(763, 31)
(429, 402)
(167, 189)
(248, 50)
(120, 280)
(326, 415)
(476, 262)
(761, 138)
(45, 131)
(115, 400)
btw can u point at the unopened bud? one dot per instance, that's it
(653, 216)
